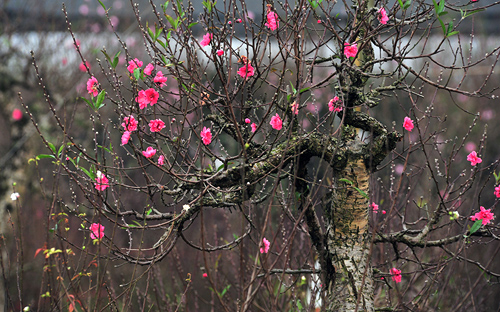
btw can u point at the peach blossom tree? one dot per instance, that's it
(290, 159)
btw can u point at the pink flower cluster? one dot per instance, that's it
(145, 97)
(497, 191)
(374, 207)
(149, 152)
(206, 39)
(133, 64)
(102, 181)
(335, 105)
(17, 114)
(396, 275)
(149, 69)
(276, 122)
(130, 124)
(272, 19)
(266, 244)
(92, 86)
(96, 231)
(246, 71)
(382, 16)
(408, 124)
(484, 214)
(206, 135)
(156, 125)
(350, 50)
(474, 159)
(160, 80)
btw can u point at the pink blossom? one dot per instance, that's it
(272, 19)
(254, 127)
(247, 120)
(335, 105)
(149, 152)
(17, 114)
(474, 160)
(125, 137)
(92, 86)
(319, 22)
(206, 39)
(205, 274)
(96, 231)
(396, 275)
(220, 52)
(82, 67)
(374, 207)
(384, 212)
(350, 50)
(64, 61)
(133, 64)
(102, 181)
(161, 160)
(276, 122)
(485, 214)
(149, 69)
(238, 20)
(408, 124)
(160, 80)
(382, 16)
(497, 191)
(156, 125)
(206, 135)
(129, 123)
(246, 71)
(266, 243)
(145, 97)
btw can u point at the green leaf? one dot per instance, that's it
(192, 24)
(102, 5)
(441, 6)
(304, 90)
(150, 32)
(89, 103)
(106, 55)
(224, 291)
(465, 14)
(88, 173)
(100, 99)
(401, 4)
(42, 156)
(171, 21)
(52, 147)
(60, 150)
(475, 226)
(137, 73)
(452, 33)
(158, 31)
(407, 4)
(442, 26)
(293, 88)
(115, 59)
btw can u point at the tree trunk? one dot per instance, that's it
(348, 241)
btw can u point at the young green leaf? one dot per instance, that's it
(115, 59)
(475, 227)
(100, 100)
